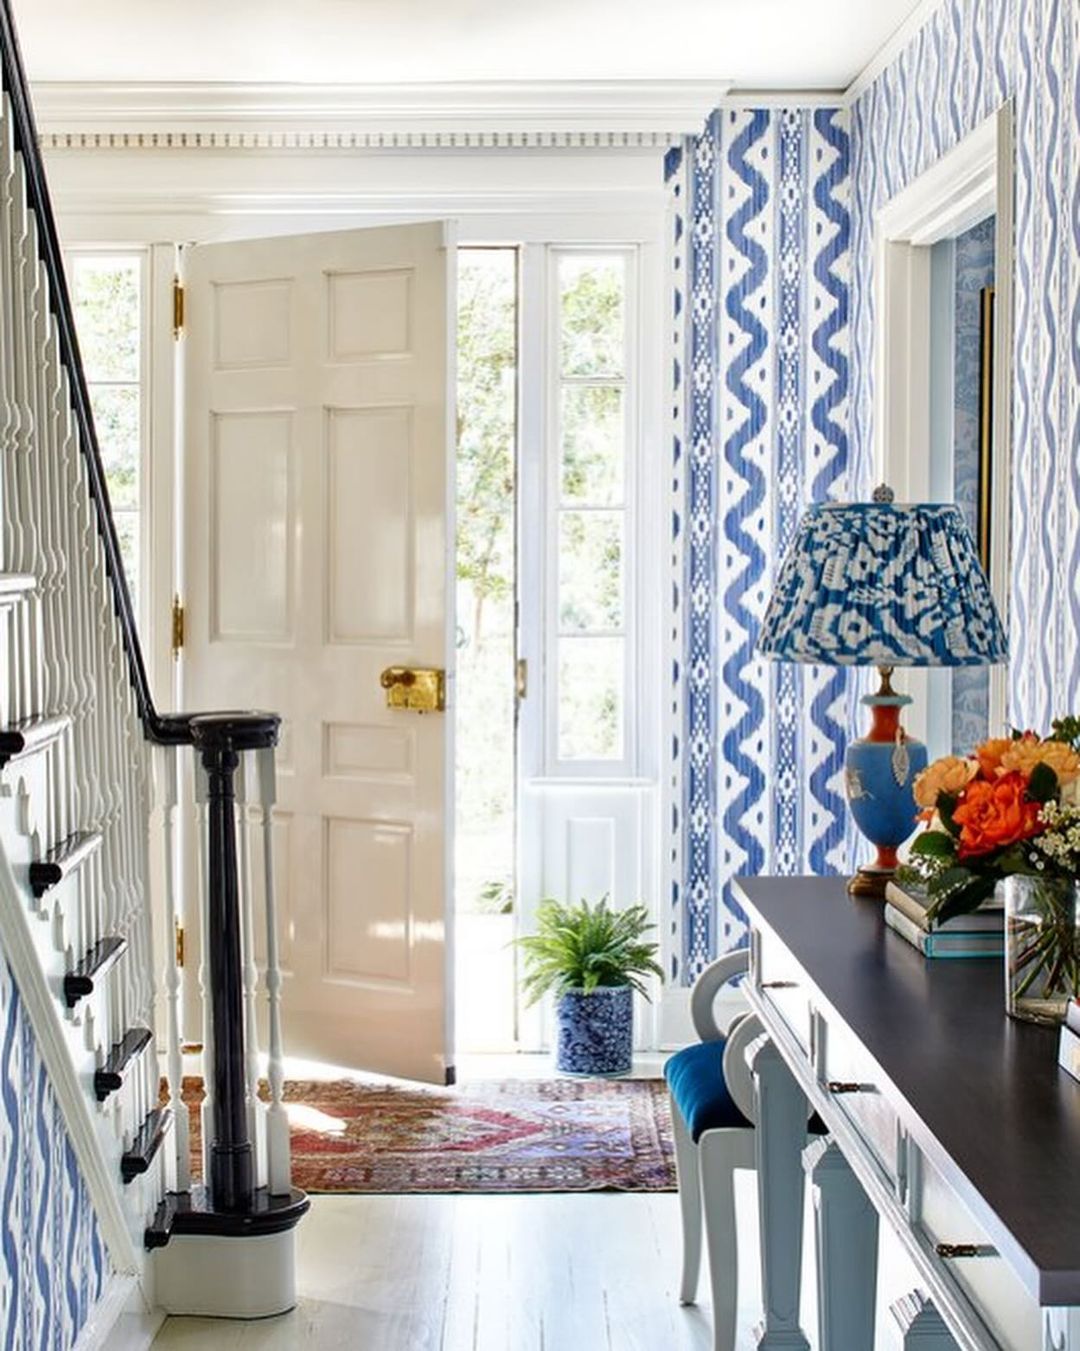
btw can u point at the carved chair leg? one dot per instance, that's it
(688, 1172)
(722, 1151)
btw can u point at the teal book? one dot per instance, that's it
(945, 942)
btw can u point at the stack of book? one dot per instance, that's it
(979, 934)
(1069, 1045)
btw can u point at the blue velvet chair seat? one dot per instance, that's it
(695, 1077)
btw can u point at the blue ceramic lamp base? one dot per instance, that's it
(879, 771)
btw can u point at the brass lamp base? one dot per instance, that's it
(869, 884)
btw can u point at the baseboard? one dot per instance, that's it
(120, 1320)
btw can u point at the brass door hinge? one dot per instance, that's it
(521, 678)
(177, 307)
(180, 944)
(177, 630)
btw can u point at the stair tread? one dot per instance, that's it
(62, 860)
(193, 1212)
(31, 734)
(110, 1076)
(79, 981)
(151, 1134)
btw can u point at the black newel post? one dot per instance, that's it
(219, 739)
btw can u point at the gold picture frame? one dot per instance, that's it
(986, 424)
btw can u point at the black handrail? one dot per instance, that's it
(164, 729)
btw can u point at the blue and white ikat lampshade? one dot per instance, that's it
(883, 584)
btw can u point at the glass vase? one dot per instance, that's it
(1042, 947)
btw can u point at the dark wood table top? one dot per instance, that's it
(980, 1093)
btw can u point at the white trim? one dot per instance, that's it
(784, 98)
(298, 115)
(972, 181)
(43, 1011)
(891, 48)
(120, 1319)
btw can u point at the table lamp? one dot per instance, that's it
(883, 584)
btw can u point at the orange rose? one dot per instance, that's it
(1026, 753)
(990, 753)
(950, 774)
(993, 815)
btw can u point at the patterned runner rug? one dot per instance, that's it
(551, 1135)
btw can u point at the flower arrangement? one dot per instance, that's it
(1012, 808)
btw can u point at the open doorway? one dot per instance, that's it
(485, 752)
(556, 699)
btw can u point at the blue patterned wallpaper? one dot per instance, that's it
(54, 1260)
(773, 328)
(967, 59)
(973, 269)
(761, 240)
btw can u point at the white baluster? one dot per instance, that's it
(277, 1121)
(205, 939)
(256, 1108)
(169, 772)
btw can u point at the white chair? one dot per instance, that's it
(712, 1101)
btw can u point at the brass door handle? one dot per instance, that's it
(419, 688)
(842, 1086)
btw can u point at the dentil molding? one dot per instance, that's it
(606, 114)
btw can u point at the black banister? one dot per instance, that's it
(164, 729)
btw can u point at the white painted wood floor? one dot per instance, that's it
(485, 1273)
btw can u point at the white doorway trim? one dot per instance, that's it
(974, 180)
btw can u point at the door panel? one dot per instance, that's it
(318, 530)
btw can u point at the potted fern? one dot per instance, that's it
(592, 958)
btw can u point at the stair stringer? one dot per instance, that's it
(97, 1153)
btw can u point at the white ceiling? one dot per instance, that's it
(757, 44)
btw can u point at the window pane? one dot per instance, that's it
(591, 698)
(590, 570)
(592, 444)
(591, 291)
(106, 299)
(116, 417)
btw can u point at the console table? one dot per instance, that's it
(946, 1120)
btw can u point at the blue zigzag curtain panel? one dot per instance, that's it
(54, 1260)
(761, 242)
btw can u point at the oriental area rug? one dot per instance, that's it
(551, 1135)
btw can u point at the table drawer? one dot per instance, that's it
(850, 1077)
(781, 983)
(989, 1283)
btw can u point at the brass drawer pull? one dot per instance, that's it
(963, 1250)
(779, 984)
(842, 1086)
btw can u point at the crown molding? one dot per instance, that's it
(488, 114)
(891, 48)
(784, 98)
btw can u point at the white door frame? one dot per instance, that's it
(972, 181)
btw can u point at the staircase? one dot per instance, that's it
(81, 744)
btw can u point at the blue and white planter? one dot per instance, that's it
(595, 1031)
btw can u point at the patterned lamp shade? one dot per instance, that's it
(883, 584)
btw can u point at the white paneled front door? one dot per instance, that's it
(318, 439)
